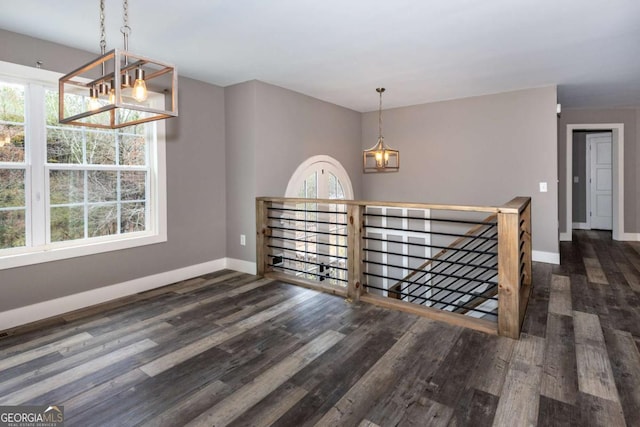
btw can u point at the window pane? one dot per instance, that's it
(132, 217)
(11, 143)
(12, 228)
(11, 123)
(64, 145)
(11, 103)
(340, 191)
(51, 107)
(101, 148)
(67, 223)
(309, 187)
(66, 187)
(103, 220)
(132, 150)
(102, 186)
(12, 188)
(132, 185)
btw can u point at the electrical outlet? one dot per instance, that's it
(243, 240)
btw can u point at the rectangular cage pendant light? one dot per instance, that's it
(118, 89)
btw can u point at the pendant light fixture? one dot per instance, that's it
(381, 158)
(101, 93)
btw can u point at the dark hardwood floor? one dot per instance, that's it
(229, 349)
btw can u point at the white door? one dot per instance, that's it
(600, 187)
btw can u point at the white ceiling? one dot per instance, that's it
(341, 50)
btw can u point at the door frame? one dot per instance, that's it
(617, 148)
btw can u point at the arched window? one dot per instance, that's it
(320, 239)
(320, 177)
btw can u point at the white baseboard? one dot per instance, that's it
(581, 226)
(548, 257)
(241, 265)
(55, 307)
(630, 237)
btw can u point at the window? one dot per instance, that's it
(68, 191)
(321, 244)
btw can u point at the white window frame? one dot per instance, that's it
(36, 219)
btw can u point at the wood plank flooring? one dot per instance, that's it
(231, 349)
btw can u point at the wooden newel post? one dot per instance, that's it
(261, 236)
(355, 229)
(509, 274)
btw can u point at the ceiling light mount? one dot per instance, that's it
(102, 93)
(380, 157)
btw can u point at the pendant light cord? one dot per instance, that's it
(103, 37)
(126, 29)
(380, 114)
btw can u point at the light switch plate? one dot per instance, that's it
(543, 187)
(576, 179)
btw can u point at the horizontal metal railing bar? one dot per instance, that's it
(457, 221)
(312, 221)
(434, 301)
(301, 252)
(272, 208)
(421, 284)
(306, 241)
(308, 262)
(427, 246)
(438, 233)
(307, 272)
(325, 233)
(418, 270)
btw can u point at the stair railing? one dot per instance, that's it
(447, 262)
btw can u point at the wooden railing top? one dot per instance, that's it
(515, 205)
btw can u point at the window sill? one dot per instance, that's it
(56, 253)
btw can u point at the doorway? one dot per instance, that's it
(592, 202)
(617, 176)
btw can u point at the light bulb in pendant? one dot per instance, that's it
(94, 104)
(140, 87)
(112, 93)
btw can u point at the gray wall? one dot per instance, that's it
(630, 117)
(479, 151)
(195, 193)
(288, 128)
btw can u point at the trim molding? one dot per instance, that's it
(55, 307)
(565, 237)
(630, 237)
(241, 265)
(581, 226)
(548, 257)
